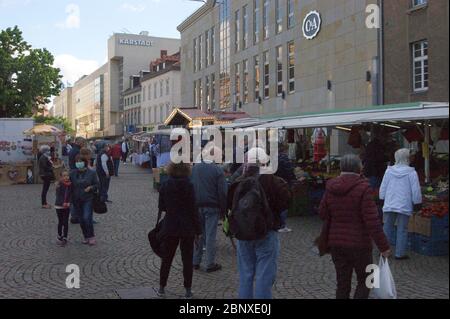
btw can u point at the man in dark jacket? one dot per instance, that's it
(258, 259)
(375, 160)
(286, 172)
(46, 173)
(351, 222)
(105, 169)
(211, 197)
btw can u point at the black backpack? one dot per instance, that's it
(251, 217)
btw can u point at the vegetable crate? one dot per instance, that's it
(434, 227)
(427, 246)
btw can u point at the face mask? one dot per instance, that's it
(79, 165)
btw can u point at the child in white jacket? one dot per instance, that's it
(401, 193)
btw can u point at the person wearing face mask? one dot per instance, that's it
(105, 169)
(46, 173)
(85, 184)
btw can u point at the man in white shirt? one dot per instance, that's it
(125, 150)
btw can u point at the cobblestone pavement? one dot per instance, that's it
(32, 266)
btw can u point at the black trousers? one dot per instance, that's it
(347, 260)
(187, 255)
(124, 157)
(45, 187)
(63, 222)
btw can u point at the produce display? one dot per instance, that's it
(436, 209)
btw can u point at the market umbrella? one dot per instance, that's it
(44, 130)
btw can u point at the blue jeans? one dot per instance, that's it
(257, 259)
(116, 167)
(401, 245)
(209, 218)
(284, 216)
(84, 213)
(104, 187)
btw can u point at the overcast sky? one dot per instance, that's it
(76, 31)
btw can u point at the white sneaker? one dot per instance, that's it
(285, 230)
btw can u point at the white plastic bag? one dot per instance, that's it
(387, 288)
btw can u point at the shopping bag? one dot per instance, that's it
(386, 289)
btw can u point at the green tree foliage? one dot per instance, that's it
(67, 126)
(27, 77)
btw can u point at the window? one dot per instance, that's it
(161, 114)
(237, 83)
(155, 90)
(420, 66)
(256, 21)
(200, 94)
(195, 55)
(290, 14)
(167, 87)
(245, 81)
(135, 99)
(213, 46)
(150, 92)
(257, 78)
(417, 3)
(161, 89)
(139, 99)
(266, 74)
(279, 70)
(291, 67)
(200, 52)
(168, 111)
(207, 93)
(207, 48)
(245, 27)
(213, 91)
(225, 54)
(195, 95)
(266, 20)
(144, 91)
(279, 17)
(237, 28)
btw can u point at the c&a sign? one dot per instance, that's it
(311, 25)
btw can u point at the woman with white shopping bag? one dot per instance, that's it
(351, 223)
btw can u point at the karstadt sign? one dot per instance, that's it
(140, 43)
(311, 25)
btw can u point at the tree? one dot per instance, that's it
(58, 120)
(27, 77)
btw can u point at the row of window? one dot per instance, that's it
(147, 93)
(204, 50)
(154, 114)
(204, 95)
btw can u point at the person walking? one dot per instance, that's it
(105, 169)
(351, 222)
(62, 206)
(46, 173)
(258, 259)
(125, 150)
(116, 154)
(401, 193)
(286, 172)
(75, 150)
(375, 159)
(211, 197)
(181, 224)
(85, 184)
(93, 152)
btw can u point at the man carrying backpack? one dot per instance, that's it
(256, 202)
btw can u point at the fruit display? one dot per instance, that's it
(436, 209)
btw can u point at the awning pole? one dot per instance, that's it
(328, 139)
(426, 152)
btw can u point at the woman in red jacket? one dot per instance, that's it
(351, 223)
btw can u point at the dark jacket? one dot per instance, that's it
(375, 160)
(349, 206)
(285, 168)
(45, 167)
(63, 194)
(277, 193)
(80, 181)
(177, 199)
(109, 164)
(210, 186)
(72, 154)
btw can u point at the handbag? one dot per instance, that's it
(157, 236)
(98, 205)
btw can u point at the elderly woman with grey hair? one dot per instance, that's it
(46, 173)
(401, 193)
(351, 224)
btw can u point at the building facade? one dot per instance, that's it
(97, 99)
(416, 51)
(62, 105)
(279, 57)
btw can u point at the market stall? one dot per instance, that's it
(16, 157)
